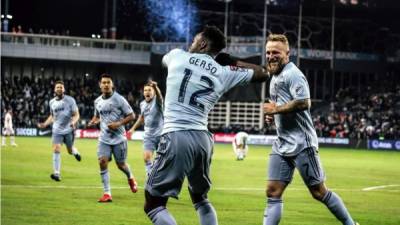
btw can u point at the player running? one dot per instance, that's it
(64, 115)
(297, 143)
(113, 112)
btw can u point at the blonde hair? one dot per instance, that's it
(278, 37)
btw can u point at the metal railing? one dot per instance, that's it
(74, 42)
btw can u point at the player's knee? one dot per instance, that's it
(318, 192)
(147, 156)
(121, 166)
(273, 191)
(57, 149)
(103, 161)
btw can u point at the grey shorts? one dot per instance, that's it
(151, 143)
(181, 154)
(68, 139)
(281, 168)
(120, 151)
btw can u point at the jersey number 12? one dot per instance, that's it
(193, 99)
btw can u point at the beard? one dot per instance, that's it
(274, 67)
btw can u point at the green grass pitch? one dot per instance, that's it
(29, 196)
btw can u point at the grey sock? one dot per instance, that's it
(105, 179)
(56, 162)
(273, 212)
(206, 212)
(127, 171)
(161, 216)
(337, 207)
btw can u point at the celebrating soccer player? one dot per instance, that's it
(64, 115)
(151, 116)
(297, 143)
(112, 111)
(195, 83)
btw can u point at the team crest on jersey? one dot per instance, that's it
(299, 90)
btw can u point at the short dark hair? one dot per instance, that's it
(105, 75)
(216, 38)
(58, 82)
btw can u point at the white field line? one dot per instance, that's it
(380, 187)
(247, 189)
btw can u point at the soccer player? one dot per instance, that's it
(151, 115)
(8, 129)
(239, 144)
(297, 143)
(64, 115)
(195, 83)
(112, 111)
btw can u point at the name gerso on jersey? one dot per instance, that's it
(203, 64)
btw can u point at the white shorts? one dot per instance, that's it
(8, 131)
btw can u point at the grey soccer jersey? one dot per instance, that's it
(195, 83)
(153, 117)
(295, 130)
(61, 111)
(112, 109)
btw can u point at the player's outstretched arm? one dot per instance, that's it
(46, 123)
(260, 73)
(293, 106)
(137, 124)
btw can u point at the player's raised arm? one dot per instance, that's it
(157, 91)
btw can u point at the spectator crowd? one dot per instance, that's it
(353, 115)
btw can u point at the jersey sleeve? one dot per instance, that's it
(96, 112)
(51, 111)
(233, 76)
(298, 87)
(166, 60)
(141, 108)
(125, 107)
(74, 106)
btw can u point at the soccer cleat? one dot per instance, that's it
(133, 185)
(14, 145)
(105, 198)
(355, 223)
(78, 157)
(55, 177)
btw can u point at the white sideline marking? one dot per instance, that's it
(380, 187)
